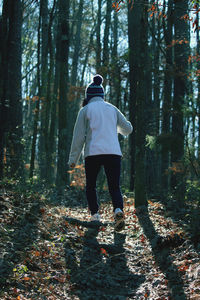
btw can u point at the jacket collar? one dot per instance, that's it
(94, 99)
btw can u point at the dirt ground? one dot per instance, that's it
(49, 249)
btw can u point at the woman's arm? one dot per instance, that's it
(123, 125)
(78, 139)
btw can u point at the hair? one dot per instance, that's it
(85, 102)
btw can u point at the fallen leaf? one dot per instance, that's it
(37, 253)
(102, 229)
(142, 238)
(61, 279)
(103, 251)
(183, 268)
(26, 278)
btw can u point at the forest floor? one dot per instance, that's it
(49, 249)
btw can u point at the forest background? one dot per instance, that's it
(148, 53)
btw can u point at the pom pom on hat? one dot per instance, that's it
(95, 89)
(98, 79)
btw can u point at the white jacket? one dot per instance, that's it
(97, 127)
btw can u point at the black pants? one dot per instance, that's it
(112, 167)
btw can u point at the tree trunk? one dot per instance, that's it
(87, 54)
(134, 14)
(54, 109)
(4, 108)
(156, 77)
(98, 43)
(43, 138)
(77, 44)
(167, 101)
(115, 81)
(198, 94)
(105, 62)
(15, 97)
(140, 184)
(73, 104)
(63, 30)
(156, 161)
(150, 112)
(137, 61)
(37, 108)
(50, 131)
(180, 67)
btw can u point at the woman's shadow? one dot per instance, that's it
(162, 255)
(101, 271)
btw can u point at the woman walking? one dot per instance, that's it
(97, 126)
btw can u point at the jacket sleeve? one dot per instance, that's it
(124, 127)
(78, 139)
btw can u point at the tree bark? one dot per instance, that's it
(115, 73)
(77, 44)
(4, 109)
(63, 29)
(133, 38)
(54, 109)
(15, 96)
(98, 43)
(44, 117)
(137, 60)
(90, 44)
(73, 104)
(140, 184)
(51, 106)
(180, 68)
(167, 101)
(198, 97)
(37, 108)
(105, 61)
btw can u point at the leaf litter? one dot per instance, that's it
(52, 251)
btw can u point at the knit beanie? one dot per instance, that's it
(95, 88)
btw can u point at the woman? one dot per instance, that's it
(97, 126)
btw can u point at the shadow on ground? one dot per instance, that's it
(97, 275)
(162, 256)
(74, 197)
(187, 216)
(22, 234)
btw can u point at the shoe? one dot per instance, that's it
(96, 217)
(119, 220)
